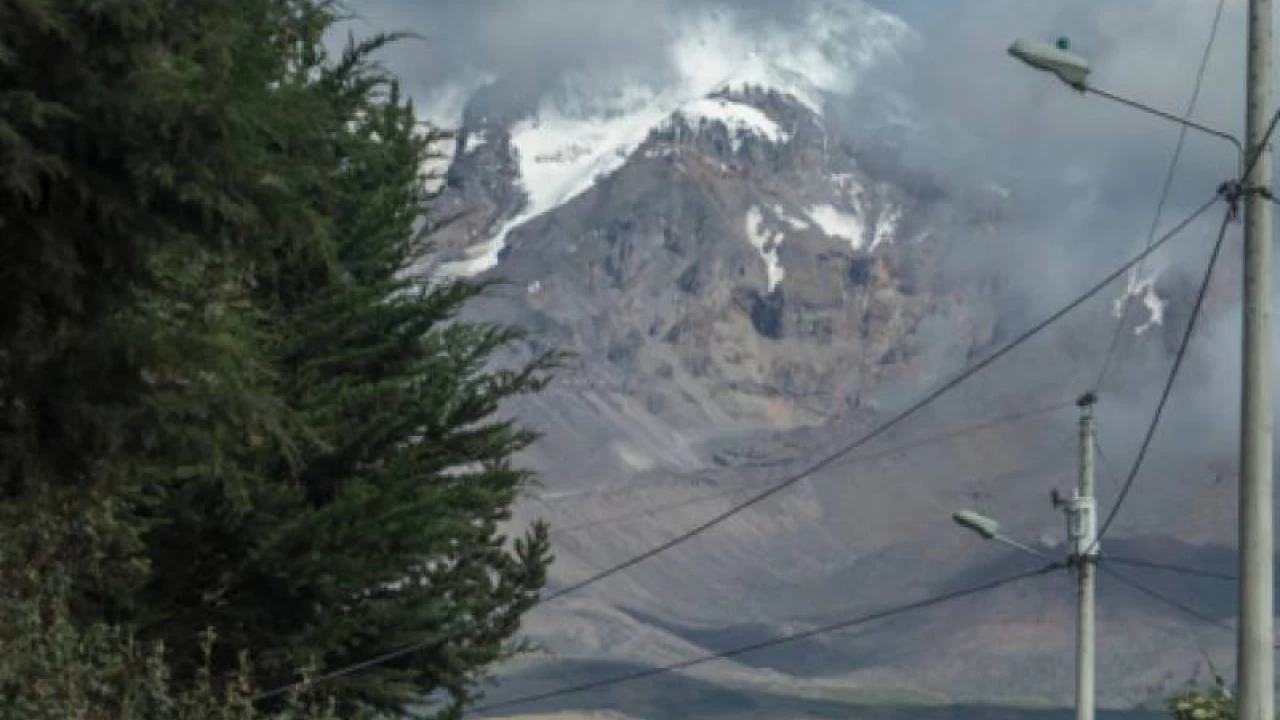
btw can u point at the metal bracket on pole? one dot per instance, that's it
(1082, 514)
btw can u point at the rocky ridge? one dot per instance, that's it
(745, 288)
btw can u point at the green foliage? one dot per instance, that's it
(55, 665)
(126, 130)
(133, 140)
(385, 531)
(222, 379)
(1211, 705)
(55, 668)
(1214, 704)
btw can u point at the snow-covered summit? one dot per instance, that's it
(591, 124)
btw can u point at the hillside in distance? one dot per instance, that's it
(747, 284)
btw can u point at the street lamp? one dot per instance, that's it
(990, 530)
(1069, 67)
(1079, 509)
(1073, 70)
(1254, 641)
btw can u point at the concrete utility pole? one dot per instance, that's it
(1255, 660)
(1255, 657)
(1083, 515)
(1082, 528)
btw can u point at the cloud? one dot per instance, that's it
(972, 106)
(526, 41)
(1085, 173)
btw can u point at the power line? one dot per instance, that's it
(1176, 605)
(1168, 184)
(911, 410)
(1180, 569)
(1031, 470)
(1258, 153)
(825, 629)
(884, 427)
(1248, 169)
(1168, 385)
(1107, 471)
(961, 431)
(958, 431)
(1185, 609)
(445, 637)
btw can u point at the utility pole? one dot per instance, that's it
(1255, 658)
(1083, 524)
(1082, 529)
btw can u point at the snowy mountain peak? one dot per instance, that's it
(737, 117)
(591, 124)
(824, 50)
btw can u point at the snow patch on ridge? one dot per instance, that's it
(476, 259)
(766, 243)
(442, 108)
(795, 222)
(740, 119)
(887, 226)
(839, 224)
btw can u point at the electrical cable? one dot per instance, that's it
(961, 431)
(1025, 471)
(1167, 187)
(825, 629)
(879, 430)
(1169, 381)
(1266, 138)
(1108, 470)
(1180, 569)
(1185, 609)
(884, 427)
(958, 431)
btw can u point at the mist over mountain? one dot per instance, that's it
(763, 227)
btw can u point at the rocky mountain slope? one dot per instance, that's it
(745, 287)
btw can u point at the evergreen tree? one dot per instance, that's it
(135, 150)
(138, 143)
(220, 376)
(385, 529)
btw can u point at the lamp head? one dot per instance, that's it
(984, 526)
(1057, 59)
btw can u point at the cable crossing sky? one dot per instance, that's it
(897, 419)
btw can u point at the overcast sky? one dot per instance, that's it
(979, 112)
(1085, 172)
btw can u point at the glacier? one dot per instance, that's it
(579, 135)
